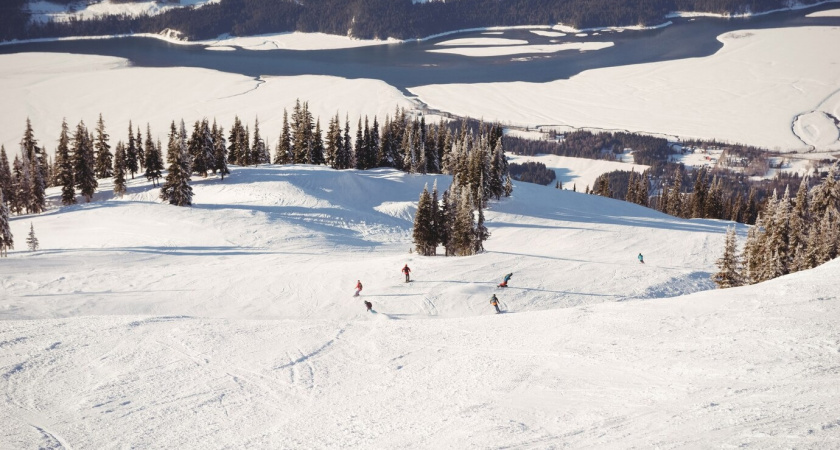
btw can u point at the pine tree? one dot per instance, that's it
(463, 233)
(6, 239)
(375, 150)
(131, 163)
(826, 195)
(728, 274)
(317, 147)
(36, 179)
(675, 197)
(104, 158)
(333, 142)
(64, 176)
(284, 155)
(119, 170)
(219, 151)
(424, 236)
(346, 157)
(444, 222)
(154, 160)
(141, 153)
(481, 233)
(259, 154)
(31, 240)
(176, 189)
(358, 149)
(83, 163)
(5, 173)
(197, 151)
(798, 237)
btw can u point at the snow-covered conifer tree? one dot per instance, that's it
(176, 189)
(31, 240)
(6, 239)
(119, 170)
(103, 167)
(219, 151)
(131, 163)
(424, 235)
(83, 163)
(283, 154)
(154, 160)
(729, 270)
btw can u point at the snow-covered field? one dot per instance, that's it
(503, 50)
(752, 91)
(231, 324)
(35, 85)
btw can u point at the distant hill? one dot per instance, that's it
(381, 19)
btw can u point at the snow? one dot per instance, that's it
(290, 41)
(792, 5)
(577, 172)
(483, 41)
(523, 49)
(548, 33)
(231, 324)
(35, 85)
(828, 13)
(749, 92)
(43, 11)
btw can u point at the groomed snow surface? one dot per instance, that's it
(231, 324)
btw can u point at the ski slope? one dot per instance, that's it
(231, 324)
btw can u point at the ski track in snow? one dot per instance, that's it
(232, 324)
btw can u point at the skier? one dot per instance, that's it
(406, 271)
(358, 288)
(507, 278)
(641, 259)
(495, 302)
(368, 305)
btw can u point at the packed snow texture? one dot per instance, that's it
(43, 10)
(752, 91)
(35, 85)
(231, 324)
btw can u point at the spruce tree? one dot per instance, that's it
(33, 158)
(358, 149)
(31, 240)
(219, 151)
(259, 154)
(464, 232)
(176, 189)
(154, 160)
(481, 232)
(333, 142)
(6, 239)
(374, 150)
(5, 173)
(675, 198)
(283, 154)
(83, 163)
(728, 274)
(317, 147)
(197, 151)
(65, 172)
(120, 168)
(141, 153)
(131, 164)
(346, 157)
(425, 241)
(104, 166)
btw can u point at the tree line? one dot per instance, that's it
(403, 19)
(403, 142)
(790, 235)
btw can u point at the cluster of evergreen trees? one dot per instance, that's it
(456, 221)
(403, 19)
(789, 235)
(532, 172)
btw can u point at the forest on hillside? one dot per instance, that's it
(367, 19)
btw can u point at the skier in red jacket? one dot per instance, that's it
(406, 271)
(358, 288)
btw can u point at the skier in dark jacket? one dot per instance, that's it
(368, 305)
(495, 302)
(406, 271)
(507, 278)
(641, 259)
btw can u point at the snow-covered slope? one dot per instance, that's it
(232, 324)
